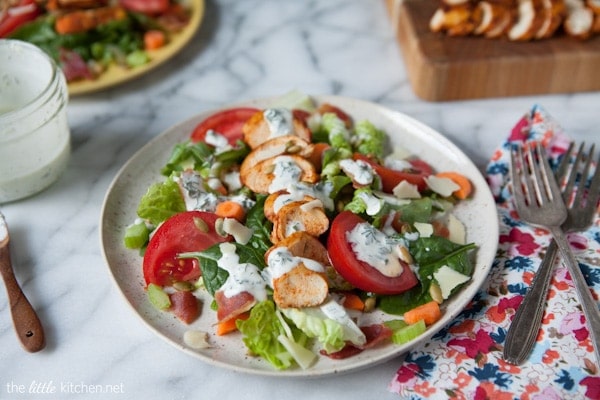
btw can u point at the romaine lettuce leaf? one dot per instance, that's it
(161, 201)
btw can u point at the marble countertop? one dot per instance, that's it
(243, 50)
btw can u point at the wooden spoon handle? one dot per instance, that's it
(27, 324)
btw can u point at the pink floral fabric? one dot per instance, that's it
(464, 360)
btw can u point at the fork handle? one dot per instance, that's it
(590, 308)
(526, 323)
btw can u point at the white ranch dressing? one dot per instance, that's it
(281, 261)
(286, 172)
(243, 277)
(373, 247)
(194, 195)
(360, 171)
(296, 191)
(279, 121)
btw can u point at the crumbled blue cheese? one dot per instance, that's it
(448, 279)
(456, 229)
(425, 230)
(406, 190)
(442, 186)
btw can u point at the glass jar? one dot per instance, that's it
(34, 132)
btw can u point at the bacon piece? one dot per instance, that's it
(231, 307)
(185, 306)
(376, 334)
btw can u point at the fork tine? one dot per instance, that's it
(594, 191)
(563, 167)
(551, 186)
(541, 180)
(567, 192)
(516, 165)
(579, 197)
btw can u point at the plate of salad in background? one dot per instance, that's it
(169, 245)
(102, 43)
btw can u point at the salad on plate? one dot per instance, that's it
(85, 37)
(299, 222)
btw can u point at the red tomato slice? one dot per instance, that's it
(228, 123)
(390, 178)
(357, 272)
(18, 15)
(179, 234)
(151, 7)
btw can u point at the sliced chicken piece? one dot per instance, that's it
(554, 14)
(579, 21)
(301, 244)
(275, 173)
(260, 128)
(299, 216)
(491, 19)
(530, 18)
(454, 20)
(275, 201)
(300, 287)
(289, 144)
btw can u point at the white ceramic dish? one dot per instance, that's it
(478, 214)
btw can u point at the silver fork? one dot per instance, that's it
(580, 215)
(538, 201)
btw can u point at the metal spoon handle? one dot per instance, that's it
(27, 324)
(526, 323)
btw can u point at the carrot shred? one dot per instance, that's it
(229, 325)
(429, 312)
(465, 185)
(316, 157)
(231, 209)
(154, 39)
(353, 302)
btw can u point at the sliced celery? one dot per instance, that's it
(136, 236)
(395, 324)
(408, 333)
(158, 297)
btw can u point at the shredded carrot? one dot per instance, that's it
(316, 157)
(429, 312)
(465, 185)
(229, 325)
(353, 302)
(231, 209)
(154, 39)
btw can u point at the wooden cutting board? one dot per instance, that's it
(442, 68)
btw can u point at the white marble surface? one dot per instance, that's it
(244, 49)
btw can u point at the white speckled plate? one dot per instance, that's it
(115, 75)
(478, 214)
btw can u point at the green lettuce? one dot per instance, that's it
(161, 201)
(263, 332)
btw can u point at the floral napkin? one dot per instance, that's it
(464, 360)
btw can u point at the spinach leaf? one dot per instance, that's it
(261, 239)
(214, 276)
(430, 254)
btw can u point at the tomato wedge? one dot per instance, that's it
(18, 15)
(390, 178)
(228, 123)
(357, 272)
(180, 233)
(150, 7)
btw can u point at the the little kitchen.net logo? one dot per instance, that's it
(54, 389)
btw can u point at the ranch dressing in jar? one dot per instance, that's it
(34, 132)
